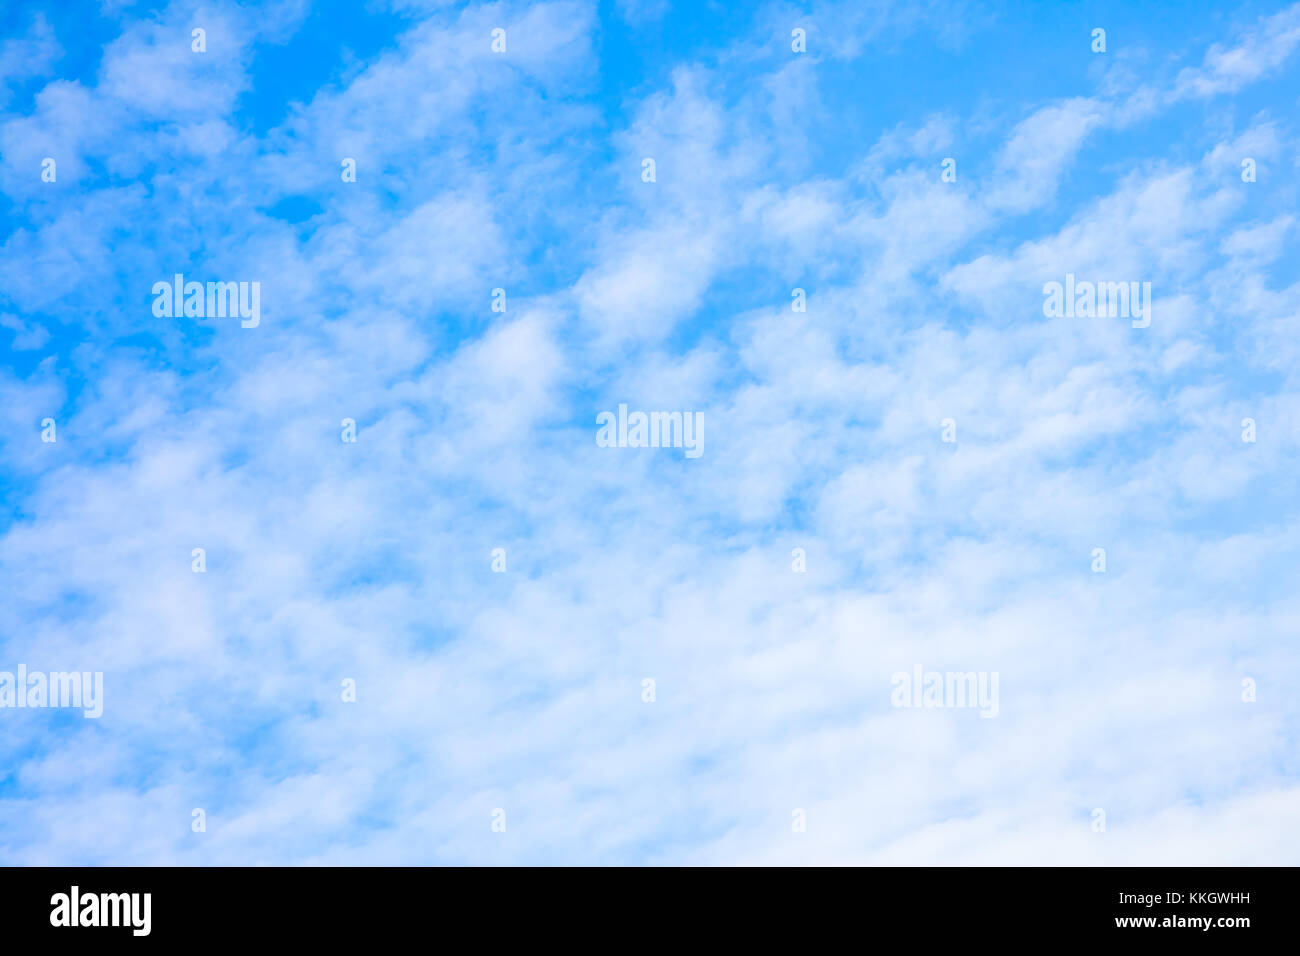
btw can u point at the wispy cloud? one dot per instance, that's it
(907, 462)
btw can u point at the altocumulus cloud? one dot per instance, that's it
(363, 585)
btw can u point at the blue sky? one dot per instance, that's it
(823, 431)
